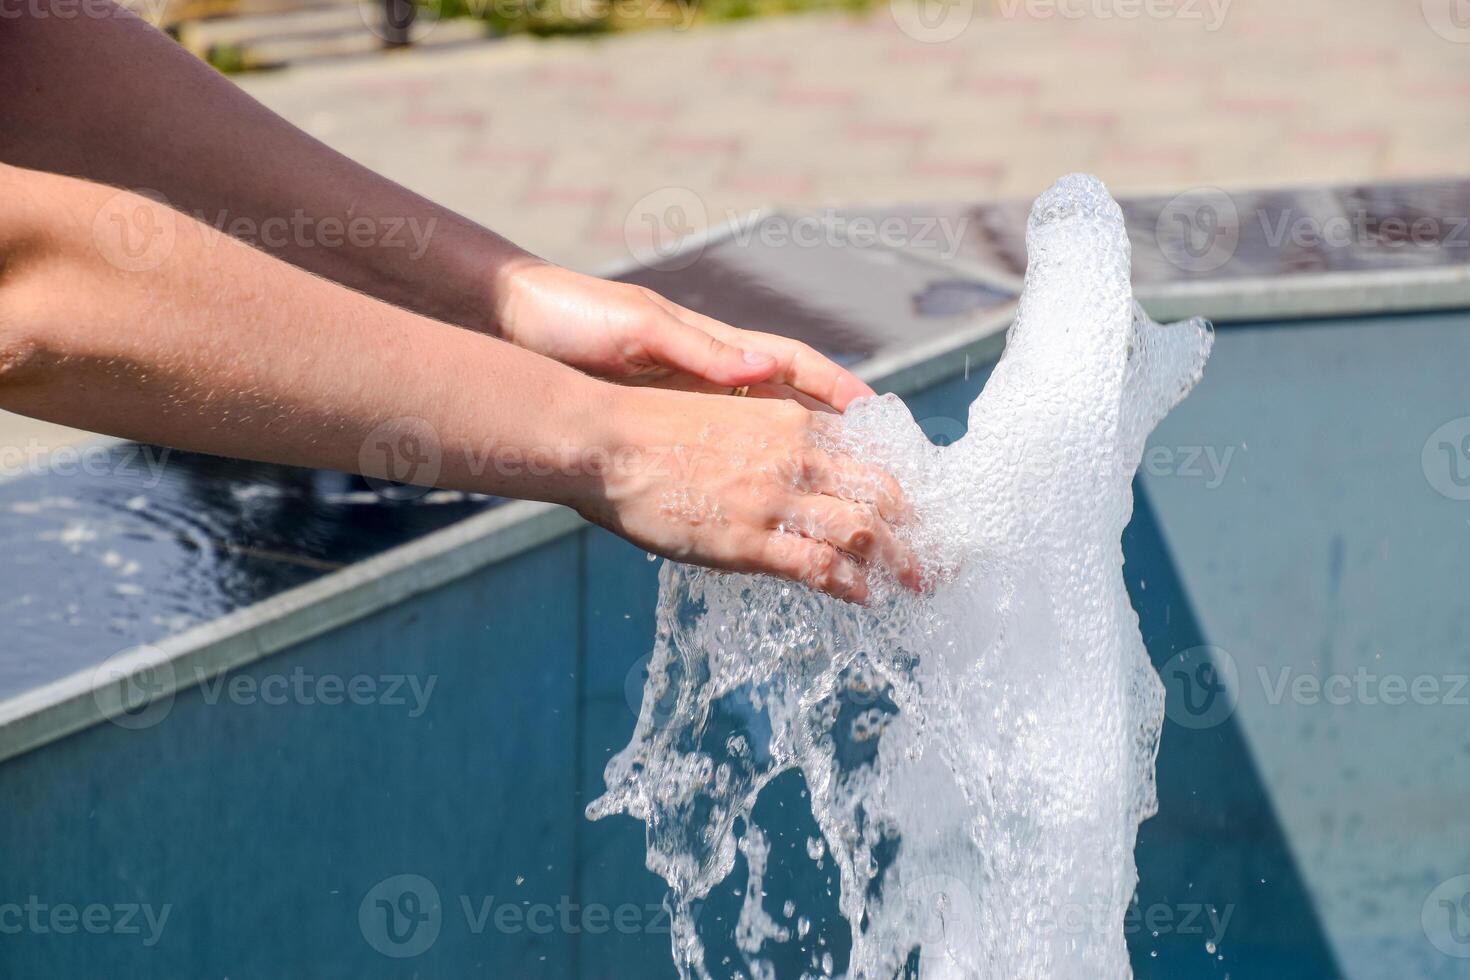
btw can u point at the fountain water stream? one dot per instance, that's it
(978, 758)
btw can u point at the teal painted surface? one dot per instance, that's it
(1319, 830)
(262, 827)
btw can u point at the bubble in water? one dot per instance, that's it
(977, 759)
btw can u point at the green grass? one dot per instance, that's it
(560, 17)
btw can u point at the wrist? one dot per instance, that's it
(508, 290)
(618, 440)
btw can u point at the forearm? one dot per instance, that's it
(220, 348)
(78, 104)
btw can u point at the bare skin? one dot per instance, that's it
(78, 104)
(220, 348)
(195, 340)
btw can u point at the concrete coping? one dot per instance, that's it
(71, 704)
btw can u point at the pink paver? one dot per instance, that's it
(833, 108)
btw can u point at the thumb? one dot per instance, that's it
(681, 347)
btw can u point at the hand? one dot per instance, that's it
(745, 486)
(634, 336)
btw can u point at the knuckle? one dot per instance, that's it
(824, 563)
(809, 469)
(861, 540)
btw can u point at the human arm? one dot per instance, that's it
(78, 104)
(122, 316)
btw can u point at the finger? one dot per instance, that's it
(858, 530)
(843, 477)
(798, 365)
(788, 393)
(809, 372)
(683, 381)
(818, 565)
(678, 345)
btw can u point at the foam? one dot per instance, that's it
(979, 758)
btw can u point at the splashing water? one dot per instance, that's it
(978, 759)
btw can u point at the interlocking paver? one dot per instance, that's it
(561, 137)
(553, 142)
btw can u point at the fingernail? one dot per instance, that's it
(756, 358)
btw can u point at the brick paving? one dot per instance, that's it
(555, 143)
(573, 146)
